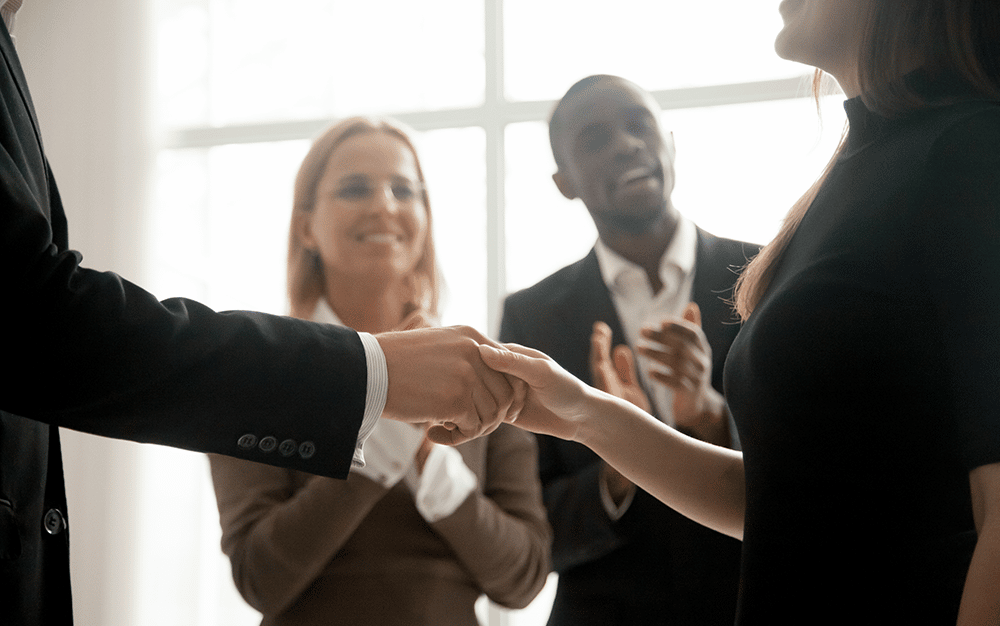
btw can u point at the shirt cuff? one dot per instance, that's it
(614, 511)
(444, 485)
(375, 394)
(389, 451)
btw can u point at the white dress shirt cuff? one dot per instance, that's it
(375, 394)
(389, 451)
(444, 485)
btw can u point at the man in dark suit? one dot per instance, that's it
(623, 557)
(90, 351)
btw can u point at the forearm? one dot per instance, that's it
(700, 480)
(278, 547)
(981, 597)
(507, 555)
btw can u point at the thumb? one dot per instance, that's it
(692, 313)
(625, 364)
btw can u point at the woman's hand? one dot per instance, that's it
(555, 402)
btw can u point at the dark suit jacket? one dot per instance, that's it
(90, 351)
(653, 566)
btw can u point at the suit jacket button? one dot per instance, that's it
(247, 441)
(268, 444)
(307, 449)
(287, 447)
(54, 522)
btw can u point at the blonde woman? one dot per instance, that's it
(419, 533)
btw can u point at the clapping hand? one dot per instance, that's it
(616, 376)
(686, 359)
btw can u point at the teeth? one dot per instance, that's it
(380, 238)
(634, 174)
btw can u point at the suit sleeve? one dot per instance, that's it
(93, 352)
(500, 534)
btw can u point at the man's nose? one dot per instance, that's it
(626, 144)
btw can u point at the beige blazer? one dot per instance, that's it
(312, 550)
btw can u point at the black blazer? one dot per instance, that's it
(654, 565)
(90, 351)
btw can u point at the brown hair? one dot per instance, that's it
(957, 37)
(305, 270)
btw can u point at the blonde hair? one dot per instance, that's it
(306, 283)
(957, 37)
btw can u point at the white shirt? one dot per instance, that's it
(390, 448)
(8, 10)
(638, 306)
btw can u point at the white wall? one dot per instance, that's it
(86, 67)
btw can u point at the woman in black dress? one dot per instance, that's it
(864, 381)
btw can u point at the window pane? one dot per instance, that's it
(544, 230)
(741, 167)
(659, 45)
(454, 163)
(220, 225)
(253, 62)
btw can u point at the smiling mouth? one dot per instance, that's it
(385, 238)
(633, 176)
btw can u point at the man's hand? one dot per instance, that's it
(616, 377)
(437, 376)
(686, 357)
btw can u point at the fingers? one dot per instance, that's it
(523, 363)
(675, 381)
(600, 356)
(416, 319)
(692, 313)
(519, 398)
(674, 331)
(625, 365)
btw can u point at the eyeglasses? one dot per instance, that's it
(361, 187)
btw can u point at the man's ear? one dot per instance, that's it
(565, 188)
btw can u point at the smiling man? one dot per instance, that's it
(622, 557)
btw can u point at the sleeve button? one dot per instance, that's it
(247, 441)
(307, 449)
(287, 447)
(268, 444)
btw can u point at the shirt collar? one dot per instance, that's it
(679, 255)
(8, 9)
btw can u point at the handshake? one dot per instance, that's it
(464, 385)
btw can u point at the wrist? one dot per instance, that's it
(713, 425)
